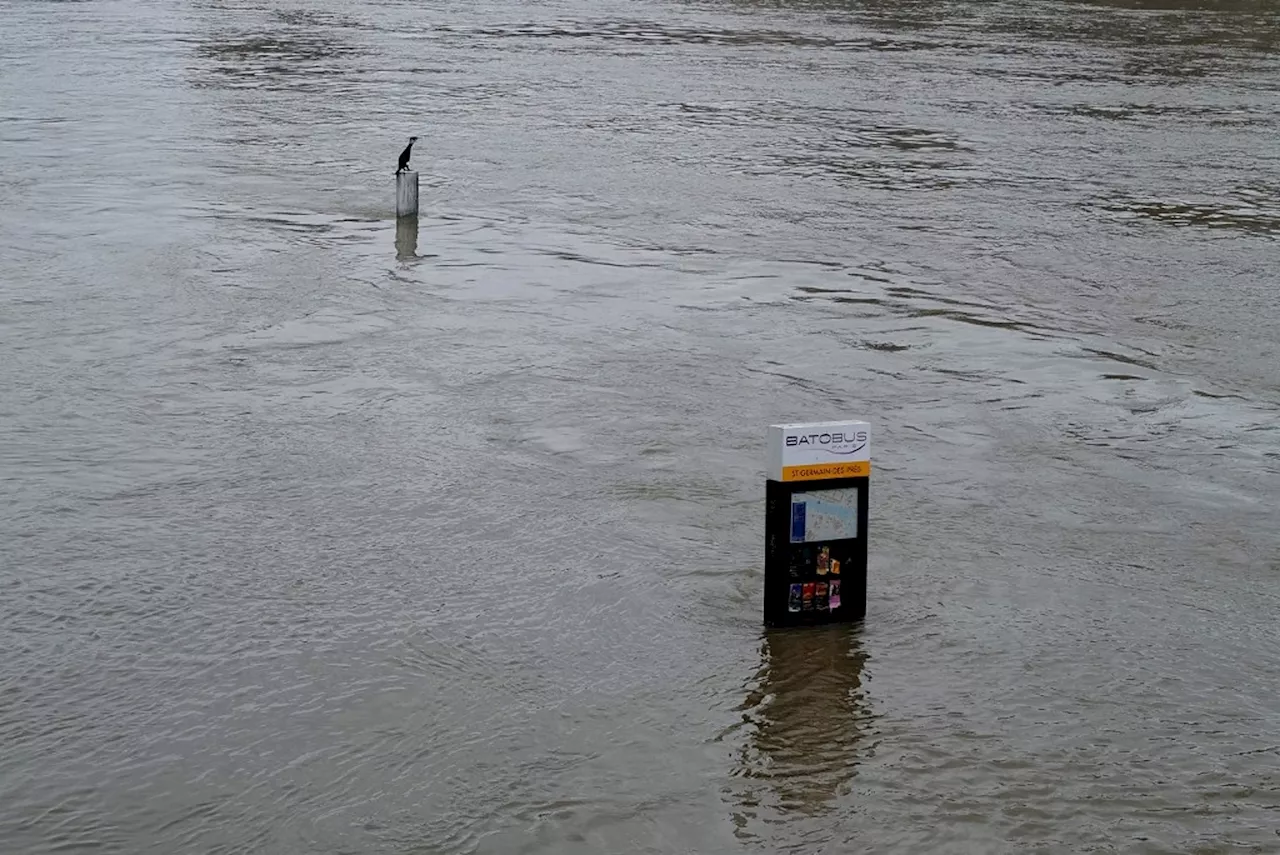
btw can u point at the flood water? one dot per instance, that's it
(324, 535)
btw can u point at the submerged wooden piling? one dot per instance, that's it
(406, 194)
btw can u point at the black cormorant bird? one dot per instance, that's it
(404, 156)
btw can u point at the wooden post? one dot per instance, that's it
(406, 194)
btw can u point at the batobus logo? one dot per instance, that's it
(835, 442)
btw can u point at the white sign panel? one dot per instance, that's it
(819, 450)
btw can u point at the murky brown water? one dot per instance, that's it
(316, 537)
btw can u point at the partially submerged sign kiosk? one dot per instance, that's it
(815, 568)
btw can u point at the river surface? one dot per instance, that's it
(324, 535)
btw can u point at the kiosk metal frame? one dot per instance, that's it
(817, 509)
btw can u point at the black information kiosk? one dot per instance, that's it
(815, 568)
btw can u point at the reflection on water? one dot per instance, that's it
(808, 716)
(286, 59)
(406, 238)
(1246, 210)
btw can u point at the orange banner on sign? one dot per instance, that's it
(821, 471)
